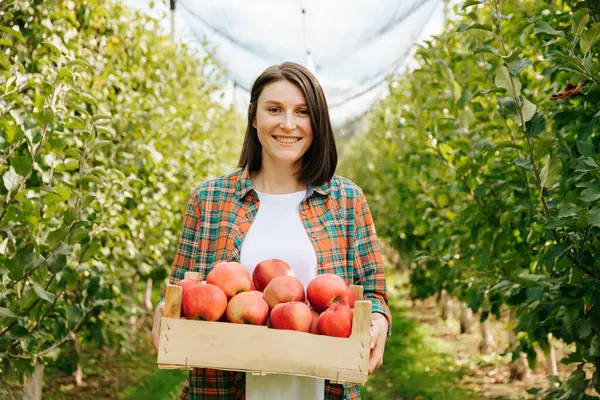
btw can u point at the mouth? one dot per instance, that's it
(286, 139)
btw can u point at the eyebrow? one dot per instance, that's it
(279, 103)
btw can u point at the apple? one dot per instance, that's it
(336, 321)
(206, 302)
(292, 315)
(185, 285)
(314, 326)
(248, 308)
(351, 297)
(325, 290)
(231, 277)
(282, 289)
(269, 269)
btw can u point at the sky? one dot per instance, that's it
(350, 45)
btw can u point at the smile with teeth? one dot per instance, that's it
(286, 139)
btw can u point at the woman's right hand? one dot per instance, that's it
(156, 325)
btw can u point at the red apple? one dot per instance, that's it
(207, 302)
(269, 269)
(185, 285)
(247, 308)
(293, 315)
(282, 289)
(314, 326)
(351, 297)
(231, 277)
(325, 290)
(336, 321)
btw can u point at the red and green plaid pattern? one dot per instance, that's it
(338, 221)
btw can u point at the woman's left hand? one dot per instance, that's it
(379, 328)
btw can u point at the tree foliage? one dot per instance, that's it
(106, 127)
(482, 167)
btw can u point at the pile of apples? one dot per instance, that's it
(272, 296)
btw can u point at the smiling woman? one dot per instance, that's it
(283, 126)
(285, 202)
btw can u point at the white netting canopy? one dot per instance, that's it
(350, 45)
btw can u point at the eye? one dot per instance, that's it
(303, 112)
(273, 109)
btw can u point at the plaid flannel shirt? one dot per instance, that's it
(339, 224)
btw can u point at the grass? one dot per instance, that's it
(415, 366)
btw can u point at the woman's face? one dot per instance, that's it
(283, 124)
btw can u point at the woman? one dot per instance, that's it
(284, 202)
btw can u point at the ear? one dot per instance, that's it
(254, 123)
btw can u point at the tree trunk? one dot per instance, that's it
(446, 307)
(32, 386)
(440, 295)
(551, 357)
(133, 318)
(519, 369)
(148, 295)
(466, 319)
(78, 374)
(487, 337)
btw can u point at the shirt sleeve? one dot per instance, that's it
(368, 261)
(187, 240)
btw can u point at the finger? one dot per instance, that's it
(374, 337)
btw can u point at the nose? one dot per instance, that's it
(288, 123)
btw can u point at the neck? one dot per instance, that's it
(276, 179)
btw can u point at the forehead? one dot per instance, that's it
(284, 92)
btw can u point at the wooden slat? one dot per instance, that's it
(358, 291)
(193, 275)
(217, 345)
(172, 302)
(172, 310)
(361, 323)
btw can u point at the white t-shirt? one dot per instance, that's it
(278, 232)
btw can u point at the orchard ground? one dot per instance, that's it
(426, 358)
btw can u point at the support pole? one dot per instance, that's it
(172, 7)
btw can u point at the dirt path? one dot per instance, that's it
(488, 374)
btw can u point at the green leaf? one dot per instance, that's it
(6, 313)
(12, 32)
(584, 329)
(469, 3)
(11, 180)
(536, 125)
(586, 148)
(23, 164)
(4, 61)
(503, 80)
(74, 313)
(480, 26)
(595, 346)
(589, 38)
(590, 195)
(544, 27)
(550, 174)
(579, 20)
(480, 92)
(593, 217)
(528, 109)
(42, 293)
(488, 49)
(518, 65)
(106, 129)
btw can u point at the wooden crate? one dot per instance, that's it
(185, 344)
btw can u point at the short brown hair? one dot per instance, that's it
(320, 160)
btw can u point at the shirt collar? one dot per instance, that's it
(244, 185)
